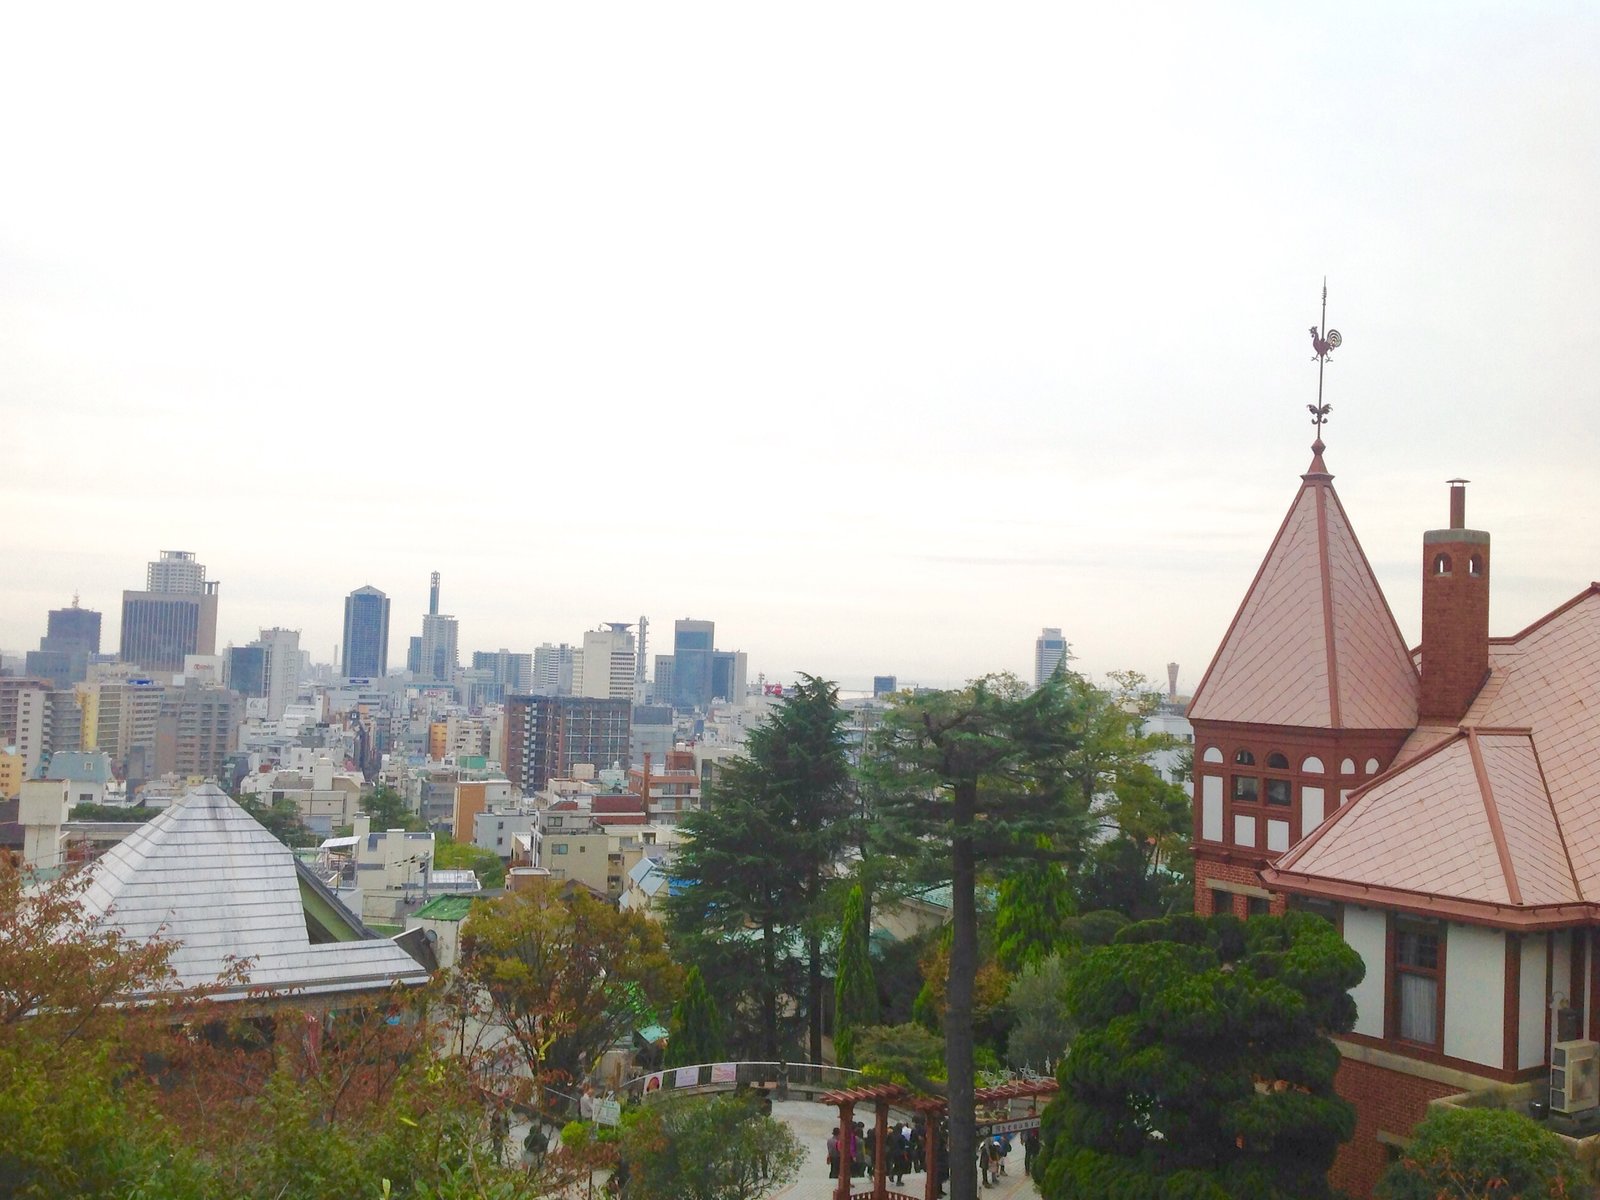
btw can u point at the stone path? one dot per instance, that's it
(812, 1122)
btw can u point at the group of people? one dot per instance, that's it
(904, 1149)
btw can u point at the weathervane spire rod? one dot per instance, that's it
(1323, 343)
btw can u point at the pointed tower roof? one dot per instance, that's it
(206, 874)
(1314, 644)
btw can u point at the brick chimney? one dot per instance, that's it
(1455, 614)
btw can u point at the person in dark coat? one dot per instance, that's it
(833, 1153)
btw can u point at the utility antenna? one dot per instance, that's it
(1323, 344)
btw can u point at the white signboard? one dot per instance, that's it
(608, 1112)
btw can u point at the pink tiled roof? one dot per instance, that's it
(1314, 644)
(1518, 826)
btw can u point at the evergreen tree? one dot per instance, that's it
(1465, 1153)
(695, 1031)
(1033, 918)
(973, 779)
(855, 990)
(1202, 1064)
(760, 857)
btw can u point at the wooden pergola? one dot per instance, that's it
(882, 1097)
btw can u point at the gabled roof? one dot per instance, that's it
(1314, 644)
(1497, 821)
(207, 875)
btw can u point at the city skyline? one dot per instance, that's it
(986, 322)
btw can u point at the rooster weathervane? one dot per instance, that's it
(1323, 344)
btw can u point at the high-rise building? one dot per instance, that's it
(120, 718)
(70, 643)
(729, 671)
(692, 643)
(437, 656)
(174, 616)
(414, 656)
(281, 668)
(24, 719)
(366, 634)
(1049, 651)
(884, 685)
(197, 727)
(553, 670)
(607, 663)
(246, 670)
(509, 673)
(547, 735)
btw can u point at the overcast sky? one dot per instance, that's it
(882, 335)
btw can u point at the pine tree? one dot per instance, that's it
(855, 990)
(695, 1031)
(1033, 918)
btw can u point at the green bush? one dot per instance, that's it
(1492, 1153)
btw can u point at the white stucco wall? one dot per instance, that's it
(1366, 932)
(1530, 1034)
(1475, 994)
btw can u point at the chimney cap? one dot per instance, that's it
(1458, 482)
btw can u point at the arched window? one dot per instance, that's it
(1475, 565)
(1312, 766)
(1278, 761)
(1441, 564)
(1347, 767)
(1244, 758)
(1212, 754)
(1372, 766)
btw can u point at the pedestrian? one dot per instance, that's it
(858, 1160)
(833, 1153)
(1030, 1150)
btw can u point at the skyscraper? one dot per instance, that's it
(1049, 650)
(366, 634)
(281, 667)
(552, 670)
(439, 657)
(692, 642)
(608, 663)
(71, 641)
(175, 615)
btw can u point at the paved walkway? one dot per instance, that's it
(812, 1122)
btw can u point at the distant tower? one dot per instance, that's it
(174, 616)
(366, 634)
(438, 651)
(640, 660)
(433, 594)
(1049, 651)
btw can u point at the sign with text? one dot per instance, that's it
(724, 1073)
(608, 1112)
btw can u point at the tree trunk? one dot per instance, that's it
(814, 990)
(958, 997)
(769, 992)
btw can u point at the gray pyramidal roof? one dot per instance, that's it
(208, 875)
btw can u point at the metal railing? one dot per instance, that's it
(780, 1078)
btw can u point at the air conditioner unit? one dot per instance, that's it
(1574, 1076)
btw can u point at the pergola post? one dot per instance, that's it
(880, 1187)
(930, 1155)
(847, 1112)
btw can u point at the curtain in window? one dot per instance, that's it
(1419, 1008)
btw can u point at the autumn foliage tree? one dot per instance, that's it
(566, 975)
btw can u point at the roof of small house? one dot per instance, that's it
(206, 875)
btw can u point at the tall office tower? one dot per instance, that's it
(71, 641)
(414, 656)
(552, 670)
(438, 657)
(729, 671)
(884, 685)
(281, 667)
(120, 718)
(661, 685)
(608, 663)
(366, 634)
(175, 615)
(692, 642)
(24, 718)
(547, 735)
(245, 670)
(1049, 651)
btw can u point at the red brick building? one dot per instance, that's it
(1440, 805)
